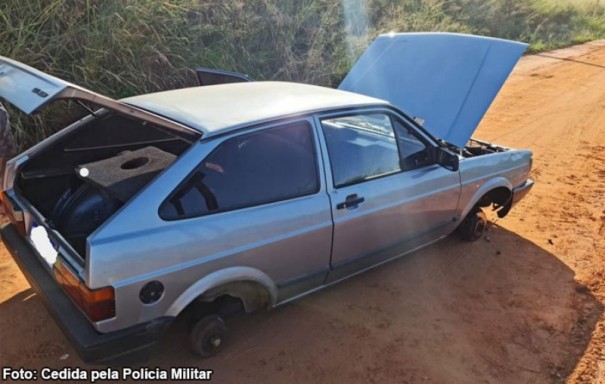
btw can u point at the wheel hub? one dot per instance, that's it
(215, 341)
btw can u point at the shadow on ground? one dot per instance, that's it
(498, 311)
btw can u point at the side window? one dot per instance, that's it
(361, 147)
(270, 165)
(413, 152)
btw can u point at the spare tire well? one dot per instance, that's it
(501, 198)
(230, 299)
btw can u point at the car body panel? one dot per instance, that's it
(221, 277)
(481, 174)
(135, 342)
(29, 90)
(398, 208)
(446, 80)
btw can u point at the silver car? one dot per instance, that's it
(212, 201)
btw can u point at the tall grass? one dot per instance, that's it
(125, 47)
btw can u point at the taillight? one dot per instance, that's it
(14, 215)
(98, 304)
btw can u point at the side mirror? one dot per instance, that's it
(447, 159)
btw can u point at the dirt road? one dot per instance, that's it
(524, 305)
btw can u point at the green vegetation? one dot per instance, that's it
(125, 47)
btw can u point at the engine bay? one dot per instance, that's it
(479, 148)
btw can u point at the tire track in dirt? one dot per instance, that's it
(563, 124)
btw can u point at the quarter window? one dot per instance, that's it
(270, 165)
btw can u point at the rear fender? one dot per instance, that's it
(212, 283)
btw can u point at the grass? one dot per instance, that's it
(125, 47)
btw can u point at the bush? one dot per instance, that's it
(126, 47)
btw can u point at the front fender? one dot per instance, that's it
(496, 182)
(219, 278)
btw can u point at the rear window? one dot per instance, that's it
(271, 165)
(114, 130)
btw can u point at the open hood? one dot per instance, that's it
(29, 90)
(446, 80)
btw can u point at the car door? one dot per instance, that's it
(387, 194)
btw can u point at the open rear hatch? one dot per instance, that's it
(65, 187)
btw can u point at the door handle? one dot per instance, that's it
(351, 201)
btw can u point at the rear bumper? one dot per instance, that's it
(522, 190)
(132, 344)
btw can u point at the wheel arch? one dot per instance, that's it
(253, 287)
(497, 191)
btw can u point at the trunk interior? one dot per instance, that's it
(82, 179)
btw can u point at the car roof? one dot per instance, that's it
(216, 109)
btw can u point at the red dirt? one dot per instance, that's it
(525, 305)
